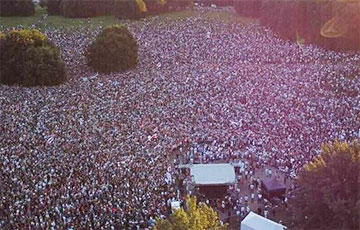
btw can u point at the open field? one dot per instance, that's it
(55, 21)
(22, 21)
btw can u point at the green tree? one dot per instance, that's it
(327, 194)
(195, 217)
(17, 8)
(114, 50)
(28, 58)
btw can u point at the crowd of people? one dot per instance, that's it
(94, 153)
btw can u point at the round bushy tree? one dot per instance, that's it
(155, 7)
(17, 8)
(114, 50)
(44, 65)
(327, 195)
(85, 8)
(28, 58)
(248, 8)
(43, 3)
(307, 18)
(53, 7)
(127, 9)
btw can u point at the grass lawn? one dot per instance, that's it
(62, 22)
(22, 21)
(71, 23)
(55, 21)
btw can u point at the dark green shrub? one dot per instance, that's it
(86, 8)
(53, 7)
(27, 58)
(130, 9)
(178, 4)
(43, 3)
(114, 50)
(224, 2)
(278, 15)
(45, 66)
(248, 8)
(127, 9)
(155, 6)
(306, 18)
(17, 8)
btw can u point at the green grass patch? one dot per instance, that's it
(26, 22)
(62, 22)
(56, 21)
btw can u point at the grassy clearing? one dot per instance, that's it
(22, 21)
(56, 21)
(62, 22)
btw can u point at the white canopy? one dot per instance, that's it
(212, 174)
(175, 205)
(254, 221)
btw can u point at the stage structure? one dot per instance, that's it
(273, 188)
(212, 180)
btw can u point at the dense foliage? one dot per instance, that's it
(195, 217)
(178, 4)
(305, 20)
(114, 50)
(328, 190)
(27, 58)
(53, 7)
(85, 8)
(17, 8)
(132, 9)
(157, 6)
(248, 8)
(43, 3)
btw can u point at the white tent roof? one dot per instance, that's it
(254, 221)
(212, 174)
(175, 205)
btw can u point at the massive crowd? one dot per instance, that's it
(94, 152)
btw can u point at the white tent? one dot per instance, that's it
(175, 205)
(254, 221)
(212, 174)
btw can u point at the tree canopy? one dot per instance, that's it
(195, 217)
(327, 193)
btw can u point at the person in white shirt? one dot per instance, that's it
(266, 213)
(252, 197)
(247, 209)
(242, 211)
(252, 186)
